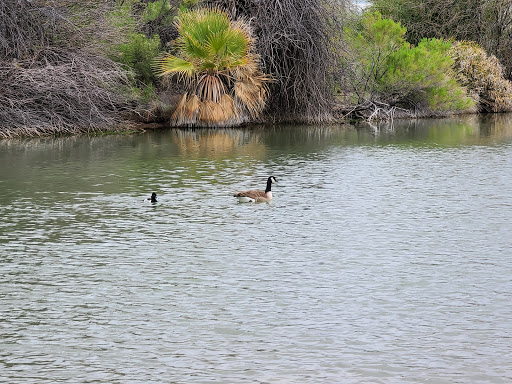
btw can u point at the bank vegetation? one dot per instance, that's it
(94, 66)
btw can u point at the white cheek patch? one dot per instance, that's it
(245, 199)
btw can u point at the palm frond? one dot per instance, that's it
(210, 87)
(217, 44)
(173, 65)
(186, 112)
(237, 43)
(201, 23)
(251, 95)
(250, 67)
(206, 112)
(178, 113)
(181, 104)
(228, 106)
(193, 47)
(230, 44)
(217, 113)
(191, 108)
(226, 84)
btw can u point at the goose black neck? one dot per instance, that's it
(269, 185)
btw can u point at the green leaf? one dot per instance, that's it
(174, 65)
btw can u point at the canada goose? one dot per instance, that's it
(257, 195)
(153, 198)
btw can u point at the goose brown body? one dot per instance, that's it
(257, 195)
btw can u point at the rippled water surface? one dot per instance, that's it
(385, 256)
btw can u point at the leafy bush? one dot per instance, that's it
(156, 9)
(421, 76)
(388, 69)
(185, 5)
(483, 75)
(140, 26)
(157, 18)
(371, 42)
(433, 18)
(488, 22)
(121, 17)
(138, 53)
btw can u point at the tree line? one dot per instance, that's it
(69, 66)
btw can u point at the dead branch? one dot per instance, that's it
(298, 44)
(374, 110)
(48, 87)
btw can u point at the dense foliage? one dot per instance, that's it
(372, 40)
(387, 69)
(80, 66)
(138, 53)
(299, 45)
(487, 22)
(421, 77)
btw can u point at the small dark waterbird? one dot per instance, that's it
(153, 198)
(257, 196)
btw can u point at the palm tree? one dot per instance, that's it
(225, 84)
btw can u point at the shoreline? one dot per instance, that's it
(131, 126)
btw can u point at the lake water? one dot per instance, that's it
(384, 257)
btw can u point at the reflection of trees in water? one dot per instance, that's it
(68, 144)
(457, 130)
(497, 125)
(254, 141)
(316, 132)
(214, 142)
(42, 143)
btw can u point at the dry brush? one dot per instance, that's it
(50, 83)
(299, 45)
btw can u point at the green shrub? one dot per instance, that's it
(188, 4)
(422, 76)
(371, 42)
(487, 22)
(134, 48)
(483, 75)
(156, 9)
(121, 16)
(388, 69)
(138, 53)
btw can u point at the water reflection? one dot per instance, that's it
(470, 129)
(218, 142)
(114, 163)
(455, 131)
